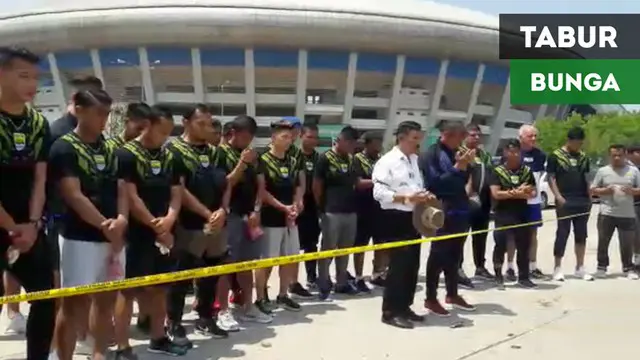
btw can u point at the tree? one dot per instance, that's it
(115, 124)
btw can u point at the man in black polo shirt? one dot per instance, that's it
(368, 209)
(333, 188)
(24, 148)
(69, 121)
(512, 184)
(154, 191)
(567, 170)
(95, 212)
(308, 220)
(200, 239)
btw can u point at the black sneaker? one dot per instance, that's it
(178, 336)
(499, 279)
(324, 294)
(484, 274)
(350, 277)
(378, 281)
(297, 290)
(511, 275)
(208, 327)
(346, 289)
(312, 283)
(166, 347)
(537, 274)
(144, 324)
(287, 303)
(264, 306)
(125, 354)
(465, 282)
(362, 286)
(527, 284)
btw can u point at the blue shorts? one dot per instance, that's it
(534, 213)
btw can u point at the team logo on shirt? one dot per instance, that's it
(204, 160)
(344, 167)
(19, 141)
(284, 172)
(100, 161)
(573, 162)
(156, 166)
(309, 165)
(528, 159)
(515, 179)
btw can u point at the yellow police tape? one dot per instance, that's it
(243, 266)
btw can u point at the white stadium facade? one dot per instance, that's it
(366, 63)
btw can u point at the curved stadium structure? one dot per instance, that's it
(367, 63)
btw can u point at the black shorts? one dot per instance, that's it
(144, 259)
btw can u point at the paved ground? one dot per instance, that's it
(576, 319)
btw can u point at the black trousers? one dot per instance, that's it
(309, 235)
(479, 220)
(522, 239)
(205, 288)
(404, 263)
(445, 256)
(34, 272)
(580, 225)
(626, 235)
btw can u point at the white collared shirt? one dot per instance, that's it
(396, 174)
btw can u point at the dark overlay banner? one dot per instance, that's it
(569, 36)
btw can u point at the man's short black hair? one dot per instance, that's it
(473, 127)
(10, 53)
(158, 112)
(511, 144)
(633, 148)
(370, 136)
(281, 125)
(91, 97)
(576, 133)
(244, 123)
(452, 126)
(85, 82)
(216, 124)
(406, 127)
(138, 111)
(191, 111)
(309, 127)
(617, 147)
(226, 128)
(348, 133)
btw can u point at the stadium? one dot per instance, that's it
(366, 63)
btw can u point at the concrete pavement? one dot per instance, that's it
(574, 319)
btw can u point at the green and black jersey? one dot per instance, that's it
(281, 177)
(245, 192)
(201, 178)
(152, 172)
(95, 166)
(511, 210)
(115, 142)
(570, 171)
(339, 179)
(480, 171)
(363, 167)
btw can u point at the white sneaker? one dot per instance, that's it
(84, 347)
(557, 274)
(254, 315)
(17, 325)
(632, 275)
(601, 273)
(581, 273)
(227, 322)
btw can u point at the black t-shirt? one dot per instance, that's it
(244, 193)
(308, 164)
(25, 140)
(95, 167)
(201, 178)
(339, 179)
(511, 211)
(63, 125)
(570, 171)
(280, 177)
(152, 172)
(363, 167)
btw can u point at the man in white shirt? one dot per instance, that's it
(398, 186)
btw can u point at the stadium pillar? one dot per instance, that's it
(562, 112)
(196, 69)
(351, 84)
(97, 65)
(432, 120)
(57, 81)
(250, 82)
(301, 84)
(392, 116)
(475, 92)
(147, 82)
(542, 111)
(497, 126)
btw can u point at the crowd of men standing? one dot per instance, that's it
(77, 209)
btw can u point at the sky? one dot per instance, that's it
(488, 6)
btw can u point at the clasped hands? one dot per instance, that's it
(523, 191)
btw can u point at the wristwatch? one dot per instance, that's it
(36, 222)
